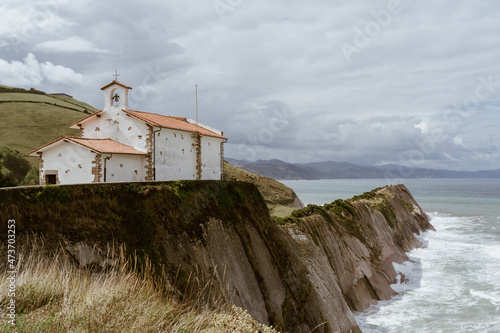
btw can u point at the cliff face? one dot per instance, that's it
(359, 239)
(310, 272)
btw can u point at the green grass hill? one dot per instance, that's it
(32, 118)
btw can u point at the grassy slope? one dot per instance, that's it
(276, 195)
(29, 120)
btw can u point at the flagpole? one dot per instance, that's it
(196, 92)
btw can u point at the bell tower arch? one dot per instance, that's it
(116, 95)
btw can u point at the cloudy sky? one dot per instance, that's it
(369, 82)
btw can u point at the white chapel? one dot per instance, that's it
(117, 144)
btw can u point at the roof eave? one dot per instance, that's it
(148, 122)
(35, 152)
(75, 124)
(152, 123)
(116, 82)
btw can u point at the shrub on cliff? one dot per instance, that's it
(32, 175)
(13, 167)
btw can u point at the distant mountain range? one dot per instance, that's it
(277, 169)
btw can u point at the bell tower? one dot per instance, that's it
(115, 95)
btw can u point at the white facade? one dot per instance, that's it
(124, 168)
(115, 124)
(211, 157)
(118, 144)
(175, 154)
(68, 162)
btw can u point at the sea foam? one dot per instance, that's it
(451, 285)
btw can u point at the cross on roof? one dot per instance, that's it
(116, 75)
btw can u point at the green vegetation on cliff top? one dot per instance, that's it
(344, 212)
(137, 214)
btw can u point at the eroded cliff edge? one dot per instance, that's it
(309, 272)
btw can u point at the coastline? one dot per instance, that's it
(455, 268)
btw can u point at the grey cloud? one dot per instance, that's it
(412, 89)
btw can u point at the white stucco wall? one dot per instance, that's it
(211, 158)
(175, 155)
(117, 125)
(124, 168)
(72, 162)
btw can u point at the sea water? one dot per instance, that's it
(454, 279)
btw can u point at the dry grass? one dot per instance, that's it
(55, 295)
(281, 211)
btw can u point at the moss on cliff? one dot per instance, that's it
(378, 200)
(386, 208)
(138, 214)
(338, 213)
(345, 213)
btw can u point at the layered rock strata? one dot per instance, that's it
(309, 273)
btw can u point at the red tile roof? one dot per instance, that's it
(116, 82)
(107, 146)
(179, 123)
(159, 120)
